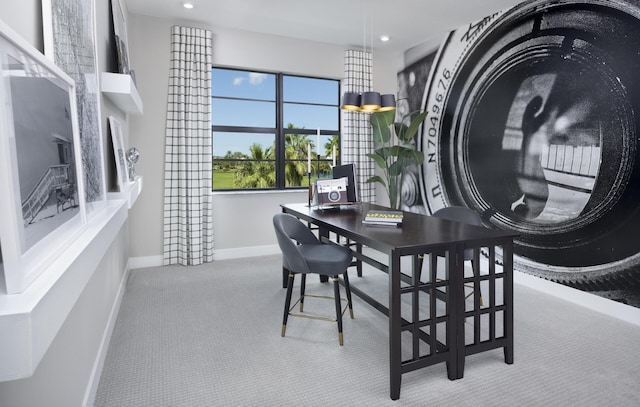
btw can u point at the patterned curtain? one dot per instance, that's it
(357, 137)
(188, 232)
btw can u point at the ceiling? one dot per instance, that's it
(341, 22)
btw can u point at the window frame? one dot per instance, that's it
(279, 131)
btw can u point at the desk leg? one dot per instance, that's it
(395, 352)
(459, 299)
(359, 262)
(455, 323)
(508, 299)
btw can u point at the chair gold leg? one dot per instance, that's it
(336, 288)
(287, 303)
(303, 285)
(340, 339)
(348, 290)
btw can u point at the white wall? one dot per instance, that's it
(242, 219)
(25, 17)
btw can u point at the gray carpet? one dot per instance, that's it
(210, 336)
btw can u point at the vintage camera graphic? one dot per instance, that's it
(332, 191)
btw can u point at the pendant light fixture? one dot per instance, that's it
(370, 101)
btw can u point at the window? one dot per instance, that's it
(265, 129)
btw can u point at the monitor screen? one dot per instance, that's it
(348, 171)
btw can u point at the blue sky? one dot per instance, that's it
(261, 112)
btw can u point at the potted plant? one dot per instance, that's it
(395, 152)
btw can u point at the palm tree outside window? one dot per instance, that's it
(265, 126)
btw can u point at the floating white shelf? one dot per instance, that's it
(30, 320)
(131, 192)
(122, 91)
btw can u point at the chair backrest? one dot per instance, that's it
(459, 214)
(290, 232)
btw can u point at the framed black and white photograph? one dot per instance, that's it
(69, 34)
(42, 200)
(120, 31)
(119, 153)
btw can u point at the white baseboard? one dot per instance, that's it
(145, 261)
(218, 254)
(253, 251)
(94, 379)
(591, 301)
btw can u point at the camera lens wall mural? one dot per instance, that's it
(533, 122)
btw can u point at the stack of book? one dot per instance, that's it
(383, 218)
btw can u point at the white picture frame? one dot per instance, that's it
(120, 39)
(119, 152)
(69, 41)
(42, 200)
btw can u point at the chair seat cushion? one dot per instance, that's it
(326, 259)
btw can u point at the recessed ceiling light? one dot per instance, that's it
(187, 5)
(384, 38)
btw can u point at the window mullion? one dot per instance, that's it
(280, 139)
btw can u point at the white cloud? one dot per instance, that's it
(253, 77)
(256, 78)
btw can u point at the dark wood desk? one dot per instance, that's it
(432, 237)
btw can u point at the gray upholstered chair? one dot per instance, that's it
(303, 253)
(464, 215)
